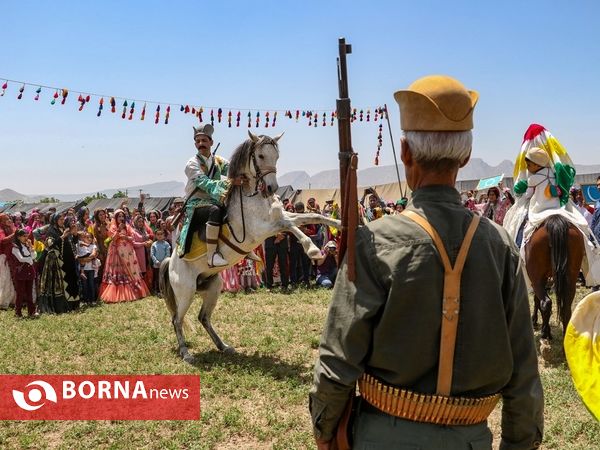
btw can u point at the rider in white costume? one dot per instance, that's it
(540, 195)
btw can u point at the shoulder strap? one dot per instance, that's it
(451, 300)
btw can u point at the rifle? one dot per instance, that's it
(348, 163)
(209, 174)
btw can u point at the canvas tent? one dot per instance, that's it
(387, 192)
(150, 204)
(42, 207)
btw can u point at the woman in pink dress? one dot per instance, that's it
(8, 294)
(122, 280)
(142, 240)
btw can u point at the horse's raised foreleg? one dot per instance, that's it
(209, 291)
(309, 247)
(310, 218)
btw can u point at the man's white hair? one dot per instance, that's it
(431, 146)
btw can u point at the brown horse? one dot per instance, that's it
(554, 252)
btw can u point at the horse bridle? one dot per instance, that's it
(258, 187)
(259, 174)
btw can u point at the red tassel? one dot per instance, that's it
(4, 86)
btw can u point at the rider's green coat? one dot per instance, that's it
(210, 190)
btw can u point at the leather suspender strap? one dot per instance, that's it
(451, 300)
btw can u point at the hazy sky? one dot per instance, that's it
(534, 61)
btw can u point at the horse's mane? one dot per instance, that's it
(241, 155)
(239, 159)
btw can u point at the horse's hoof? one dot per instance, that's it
(189, 358)
(545, 348)
(228, 350)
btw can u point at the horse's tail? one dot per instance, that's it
(164, 283)
(558, 231)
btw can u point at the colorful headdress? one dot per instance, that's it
(537, 136)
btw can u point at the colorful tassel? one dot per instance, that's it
(21, 89)
(157, 116)
(186, 109)
(113, 105)
(368, 114)
(124, 113)
(200, 111)
(4, 86)
(267, 119)
(167, 115)
(297, 115)
(324, 119)
(54, 97)
(212, 118)
(249, 119)
(379, 143)
(257, 118)
(219, 114)
(143, 116)
(100, 106)
(131, 111)
(65, 93)
(37, 93)
(237, 119)
(274, 118)
(229, 119)
(332, 117)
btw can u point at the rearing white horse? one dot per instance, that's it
(254, 213)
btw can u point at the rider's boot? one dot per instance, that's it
(254, 257)
(214, 258)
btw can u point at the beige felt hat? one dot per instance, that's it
(436, 103)
(539, 156)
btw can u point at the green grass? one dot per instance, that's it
(254, 399)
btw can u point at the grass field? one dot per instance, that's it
(255, 399)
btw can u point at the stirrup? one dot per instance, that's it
(216, 260)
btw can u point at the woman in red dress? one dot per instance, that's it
(122, 280)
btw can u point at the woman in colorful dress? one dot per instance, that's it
(101, 234)
(59, 282)
(496, 207)
(83, 220)
(154, 217)
(122, 281)
(142, 240)
(7, 290)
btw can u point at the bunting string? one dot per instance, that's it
(257, 117)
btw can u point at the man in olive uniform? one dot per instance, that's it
(386, 330)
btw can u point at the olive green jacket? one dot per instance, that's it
(388, 322)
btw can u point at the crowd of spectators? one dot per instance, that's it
(55, 262)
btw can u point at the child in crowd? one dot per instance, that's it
(24, 273)
(158, 252)
(247, 274)
(89, 264)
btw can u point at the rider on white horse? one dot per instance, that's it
(205, 189)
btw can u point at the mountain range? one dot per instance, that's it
(475, 170)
